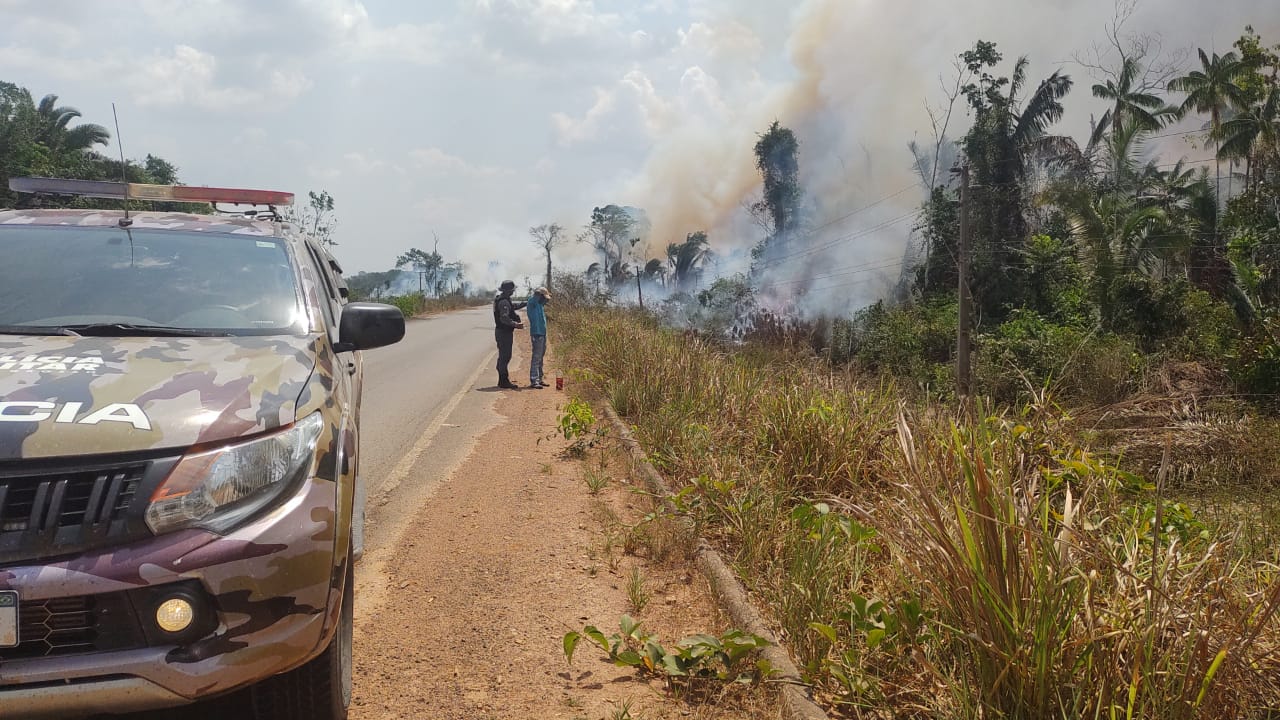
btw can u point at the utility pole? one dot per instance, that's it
(639, 290)
(962, 267)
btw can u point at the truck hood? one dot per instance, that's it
(72, 396)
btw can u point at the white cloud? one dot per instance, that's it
(189, 76)
(560, 38)
(553, 20)
(571, 131)
(363, 164)
(437, 161)
(730, 40)
(416, 44)
(655, 109)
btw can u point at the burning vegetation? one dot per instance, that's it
(1090, 531)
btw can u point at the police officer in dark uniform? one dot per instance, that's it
(506, 322)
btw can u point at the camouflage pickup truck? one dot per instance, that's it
(179, 427)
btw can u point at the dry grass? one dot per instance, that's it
(923, 564)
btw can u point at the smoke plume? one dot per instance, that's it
(859, 79)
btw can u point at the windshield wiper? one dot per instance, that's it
(132, 330)
(36, 330)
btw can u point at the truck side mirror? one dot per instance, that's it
(364, 326)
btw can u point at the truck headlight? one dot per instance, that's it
(217, 489)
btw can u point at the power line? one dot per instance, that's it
(851, 213)
(853, 270)
(851, 236)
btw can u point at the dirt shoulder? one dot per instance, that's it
(512, 551)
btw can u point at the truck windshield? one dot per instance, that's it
(112, 281)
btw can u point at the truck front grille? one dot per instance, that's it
(48, 510)
(51, 502)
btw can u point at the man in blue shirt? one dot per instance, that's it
(537, 334)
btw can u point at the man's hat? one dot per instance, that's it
(507, 285)
(543, 292)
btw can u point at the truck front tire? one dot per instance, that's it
(320, 689)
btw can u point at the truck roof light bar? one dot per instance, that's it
(141, 191)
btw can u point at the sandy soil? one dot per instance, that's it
(510, 553)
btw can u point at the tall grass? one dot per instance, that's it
(921, 563)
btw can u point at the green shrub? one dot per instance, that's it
(1255, 366)
(1028, 352)
(410, 305)
(1208, 330)
(906, 341)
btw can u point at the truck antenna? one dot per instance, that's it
(124, 175)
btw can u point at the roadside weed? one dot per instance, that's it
(691, 663)
(637, 592)
(596, 481)
(622, 711)
(577, 424)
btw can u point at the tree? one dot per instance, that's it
(1117, 232)
(46, 139)
(685, 259)
(1212, 89)
(455, 274)
(548, 238)
(1253, 134)
(777, 211)
(54, 131)
(427, 264)
(160, 171)
(373, 284)
(611, 233)
(1132, 107)
(1009, 138)
(655, 271)
(318, 217)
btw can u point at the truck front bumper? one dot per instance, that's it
(274, 586)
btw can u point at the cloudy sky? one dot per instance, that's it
(474, 119)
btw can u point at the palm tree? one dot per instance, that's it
(1140, 111)
(654, 270)
(1118, 234)
(53, 131)
(1253, 134)
(685, 258)
(1124, 146)
(1167, 188)
(1212, 89)
(1008, 141)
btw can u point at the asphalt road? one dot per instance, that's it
(426, 400)
(408, 384)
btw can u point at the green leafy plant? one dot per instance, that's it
(724, 658)
(577, 424)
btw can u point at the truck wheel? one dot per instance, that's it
(320, 689)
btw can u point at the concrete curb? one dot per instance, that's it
(797, 701)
